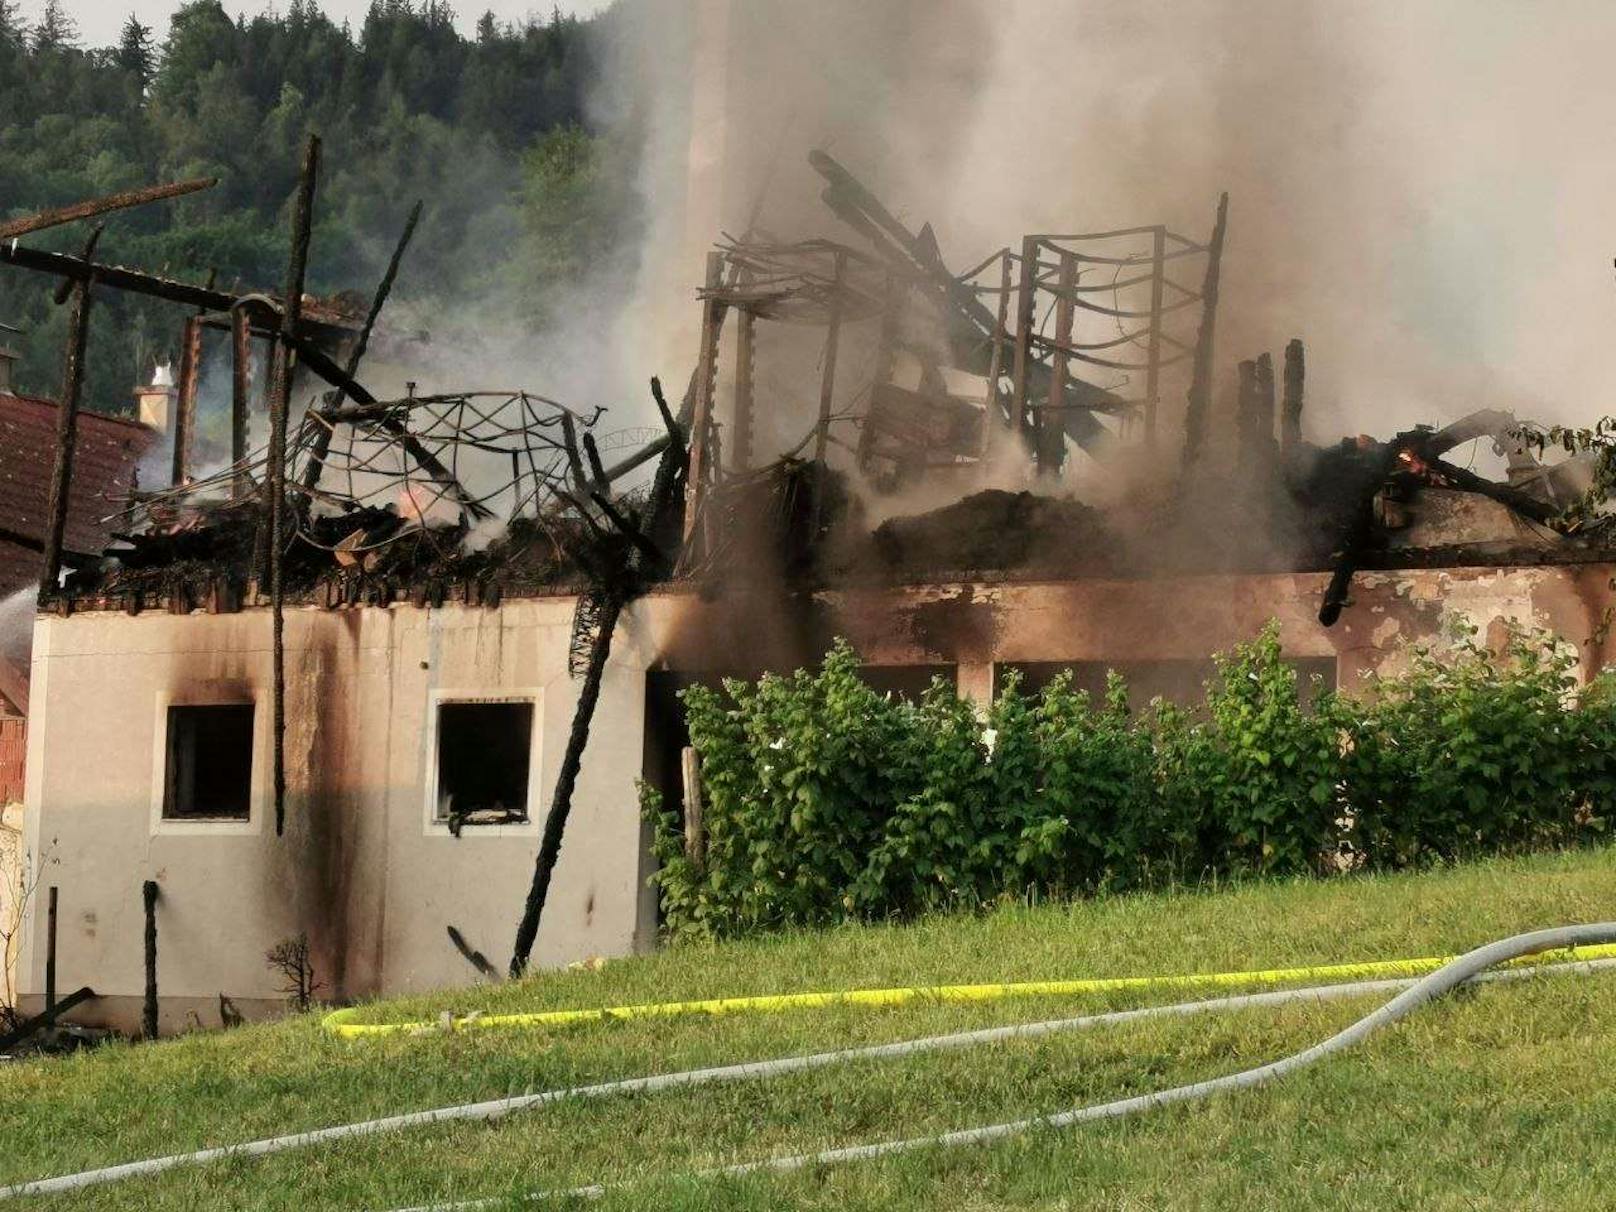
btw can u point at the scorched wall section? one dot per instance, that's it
(363, 868)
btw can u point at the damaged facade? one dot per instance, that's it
(339, 686)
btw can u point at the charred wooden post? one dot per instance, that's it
(1052, 417)
(827, 388)
(598, 478)
(17, 228)
(575, 461)
(833, 340)
(275, 480)
(321, 444)
(1290, 425)
(993, 418)
(706, 375)
(148, 1018)
(1262, 419)
(185, 403)
(1026, 298)
(50, 951)
(240, 397)
(1158, 278)
(1357, 533)
(67, 416)
(740, 451)
(1247, 414)
(1199, 404)
(886, 351)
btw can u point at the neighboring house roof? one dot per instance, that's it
(105, 457)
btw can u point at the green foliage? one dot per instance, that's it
(406, 108)
(1472, 750)
(827, 802)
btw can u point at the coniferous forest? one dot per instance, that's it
(493, 131)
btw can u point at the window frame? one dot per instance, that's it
(258, 769)
(435, 826)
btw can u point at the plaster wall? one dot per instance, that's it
(361, 867)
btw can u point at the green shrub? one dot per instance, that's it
(826, 801)
(1470, 751)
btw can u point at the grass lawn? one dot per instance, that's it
(1498, 1098)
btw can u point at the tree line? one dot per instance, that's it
(523, 190)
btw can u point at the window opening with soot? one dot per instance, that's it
(209, 763)
(484, 763)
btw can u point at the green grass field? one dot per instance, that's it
(1501, 1097)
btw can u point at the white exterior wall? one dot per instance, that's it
(360, 867)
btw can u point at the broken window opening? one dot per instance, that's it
(209, 763)
(484, 762)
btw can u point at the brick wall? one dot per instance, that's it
(13, 748)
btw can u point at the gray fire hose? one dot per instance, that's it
(1465, 968)
(1471, 966)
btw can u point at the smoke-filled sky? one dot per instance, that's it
(100, 20)
(1422, 191)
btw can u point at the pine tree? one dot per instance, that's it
(135, 53)
(13, 30)
(56, 30)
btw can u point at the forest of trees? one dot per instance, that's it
(492, 131)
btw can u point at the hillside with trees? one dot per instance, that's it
(492, 130)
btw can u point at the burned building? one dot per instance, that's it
(391, 681)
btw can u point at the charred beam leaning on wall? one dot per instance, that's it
(613, 593)
(275, 473)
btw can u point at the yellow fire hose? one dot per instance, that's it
(342, 1022)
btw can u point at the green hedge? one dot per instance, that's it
(827, 801)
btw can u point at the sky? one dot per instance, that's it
(100, 20)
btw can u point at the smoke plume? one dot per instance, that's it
(1419, 191)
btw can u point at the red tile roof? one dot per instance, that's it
(104, 461)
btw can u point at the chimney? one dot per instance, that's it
(154, 403)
